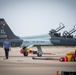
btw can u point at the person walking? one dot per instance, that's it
(7, 47)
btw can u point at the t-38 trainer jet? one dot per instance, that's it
(53, 38)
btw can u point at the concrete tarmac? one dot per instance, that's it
(17, 64)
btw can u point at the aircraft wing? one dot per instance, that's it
(30, 46)
(27, 45)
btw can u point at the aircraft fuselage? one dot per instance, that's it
(14, 42)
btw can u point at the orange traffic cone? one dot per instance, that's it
(57, 72)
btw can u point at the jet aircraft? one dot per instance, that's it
(53, 38)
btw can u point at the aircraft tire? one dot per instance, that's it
(25, 54)
(39, 55)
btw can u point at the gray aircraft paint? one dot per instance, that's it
(47, 39)
(40, 40)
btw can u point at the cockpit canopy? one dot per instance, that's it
(66, 34)
(54, 31)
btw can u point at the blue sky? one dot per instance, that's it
(36, 17)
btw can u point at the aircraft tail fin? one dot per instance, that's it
(5, 30)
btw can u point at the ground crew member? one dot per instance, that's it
(7, 47)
